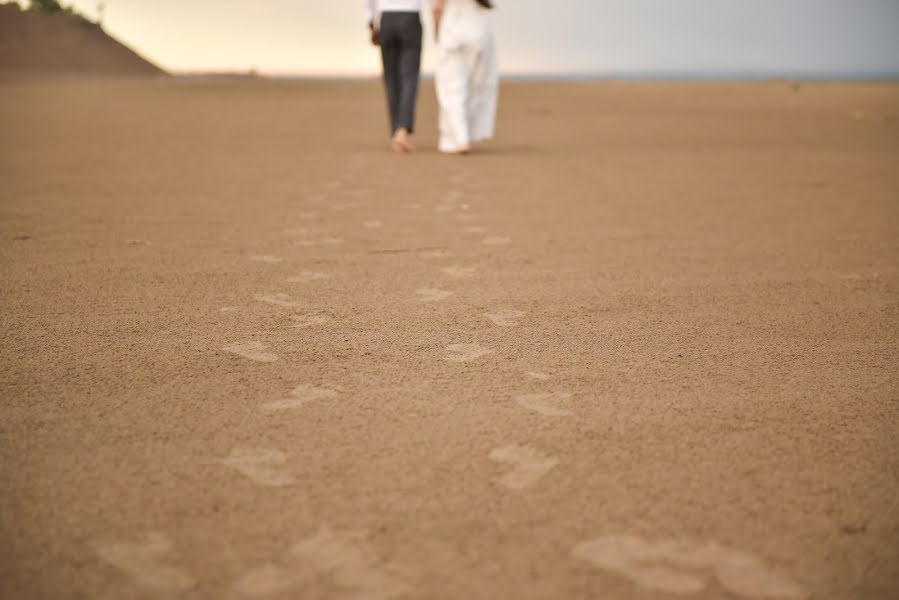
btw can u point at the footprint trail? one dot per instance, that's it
(261, 466)
(142, 562)
(529, 465)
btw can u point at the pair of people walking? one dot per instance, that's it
(467, 80)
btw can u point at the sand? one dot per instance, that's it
(642, 345)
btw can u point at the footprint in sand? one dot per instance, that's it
(325, 241)
(529, 465)
(860, 277)
(346, 205)
(537, 375)
(415, 206)
(460, 272)
(505, 318)
(373, 224)
(432, 295)
(452, 196)
(643, 562)
(435, 254)
(304, 321)
(476, 229)
(299, 396)
(260, 465)
(468, 217)
(228, 309)
(544, 403)
(444, 208)
(465, 352)
(266, 258)
(496, 241)
(298, 231)
(334, 185)
(308, 215)
(345, 558)
(142, 562)
(253, 351)
(278, 300)
(307, 276)
(458, 178)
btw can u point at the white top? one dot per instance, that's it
(379, 6)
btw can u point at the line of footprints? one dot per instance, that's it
(672, 566)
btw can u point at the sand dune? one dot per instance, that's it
(33, 43)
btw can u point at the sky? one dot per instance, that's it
(612, 37)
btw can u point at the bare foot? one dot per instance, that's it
(463, 150)
(401, 142)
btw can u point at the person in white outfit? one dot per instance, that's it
(467, 76)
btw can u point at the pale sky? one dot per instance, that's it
(811, 37)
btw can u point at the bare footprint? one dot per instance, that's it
(434, 254)
(476, 229)
(432, 295)
(505, 318)
(325, 241)
(543, 403)
(346, 205)
(496, 241)
(345, 557)
(468, 217)
(299, 396)
(643, 563)
(278, 300)
(253, 351)
(373, 224)
(260, 465)
(298, 231)
(267, 258)
(304, 321)
(460, 272)
(537, 375)
(860, 277)
(307, 276)
(451, 196)
(310, 215)
(142, 562)
(465, 352)
(529, 465)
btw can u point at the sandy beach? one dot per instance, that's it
(644, 344)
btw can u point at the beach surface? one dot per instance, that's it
(644, 344)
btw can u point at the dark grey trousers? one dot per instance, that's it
(400, 39)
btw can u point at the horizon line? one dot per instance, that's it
(565, 75)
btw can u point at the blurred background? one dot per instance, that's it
(627, 38)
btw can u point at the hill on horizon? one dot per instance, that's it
(32, 43)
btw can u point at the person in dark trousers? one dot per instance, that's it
(399, 34)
